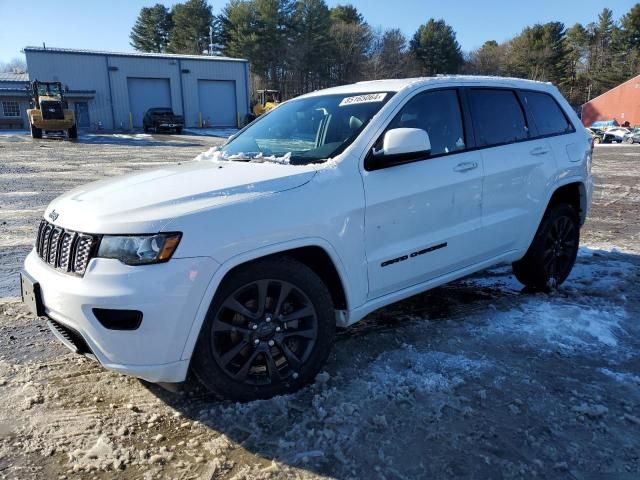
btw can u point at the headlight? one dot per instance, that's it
(139, 249)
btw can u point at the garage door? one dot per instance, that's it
(217, 100)
(146, 93)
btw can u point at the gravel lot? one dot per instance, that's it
(475, 379)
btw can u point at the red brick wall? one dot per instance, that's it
(621, 103)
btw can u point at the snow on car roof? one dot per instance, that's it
(395, 85)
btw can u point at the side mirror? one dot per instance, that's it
(400, 145)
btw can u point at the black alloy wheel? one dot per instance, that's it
(560, 250)
(552, 254)
(264, 332)
(269, 331)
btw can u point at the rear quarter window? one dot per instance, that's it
(497, 117)
(547, 115)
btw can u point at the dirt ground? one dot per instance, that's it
(475, 379)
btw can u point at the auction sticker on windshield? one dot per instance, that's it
(369, 98)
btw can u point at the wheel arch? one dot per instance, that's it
(575, 194)
(317, 254)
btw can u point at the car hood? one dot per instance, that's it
(145, 201)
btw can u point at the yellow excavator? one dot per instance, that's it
(266, 100)
(49, 110)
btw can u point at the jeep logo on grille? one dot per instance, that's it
(53, 215)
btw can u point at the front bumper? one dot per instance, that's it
(167, 294)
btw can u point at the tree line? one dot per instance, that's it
(297, 46)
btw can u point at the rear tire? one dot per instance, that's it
(268, 331)
(553, 252)
(629, 140)
(73, 132)
(36, 132)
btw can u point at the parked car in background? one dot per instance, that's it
(162, 119)
(241, 265)
(616, 134)
(596, 134)
(633, 136)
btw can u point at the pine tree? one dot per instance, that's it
(352, 42)
(191, 23)
(312, 45)
(347, 14)
(151, 30)
(436, 49)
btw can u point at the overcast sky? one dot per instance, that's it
(105, 25)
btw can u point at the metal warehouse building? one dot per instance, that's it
(113, 90)
(621, 103)
(14, 100)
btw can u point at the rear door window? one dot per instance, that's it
(497, 117)
(547, 114)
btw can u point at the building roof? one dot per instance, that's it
(132, 54)
(633, 79)
(23, 92)
(395, 85)
(14, 77)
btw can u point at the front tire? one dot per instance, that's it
(36, 132)
(553, 252)
(268, 331)
(73, 132)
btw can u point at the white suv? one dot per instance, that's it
(240, 265)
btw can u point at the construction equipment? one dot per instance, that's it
(266, 100)
(49, 110)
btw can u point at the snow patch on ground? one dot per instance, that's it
(211, 132)
(407, 370)
(565, 325)
(630, 379)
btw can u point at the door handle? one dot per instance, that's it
(465, 166)
(538, 152)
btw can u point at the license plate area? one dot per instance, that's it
(31, 294)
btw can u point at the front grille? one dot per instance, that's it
(52, 110)
(64, 249)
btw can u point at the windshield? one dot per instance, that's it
(49, 90)
(306, 130)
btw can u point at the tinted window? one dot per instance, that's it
(439, 114)
(497, 117)
(547, 115)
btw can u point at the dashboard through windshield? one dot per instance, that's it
(307, 130)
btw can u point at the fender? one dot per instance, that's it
(248, 256)
(556, 185)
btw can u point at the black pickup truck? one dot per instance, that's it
(158, 119)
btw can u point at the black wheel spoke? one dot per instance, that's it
(272, 368)
(285, 290)
(292, 358)
(262, 285)
(232, 304)
(309, 333)
(233, 352)
(222, 326)
(241, 374)
(305, 311)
